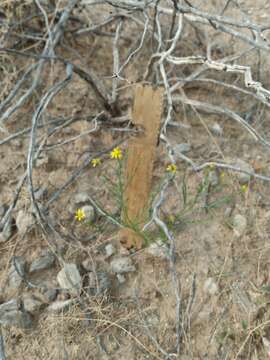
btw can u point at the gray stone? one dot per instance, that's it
(122, 265)
(42, 263)
(50, 295)
(59, 306)
(243, 177)
(15, 278)
(239, 225)
(6, 232)
(89, 212)
(11, 315)
(70, 279)
(158, 249)
(109, 250)
(121, 278)
(216, 129)
(210, 287)
(182, 148)
(31, 304)
(99, 283)
(24, 220)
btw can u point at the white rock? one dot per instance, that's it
(217, 129)
(69, 278)
(158, 249)
(58, 306)
(210, 287)
(122, 265)
(239, 225)
(121, 278)
(109, 250)
(243, 177)
(23, 221)
(89, 212)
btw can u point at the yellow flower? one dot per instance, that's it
(96, 162)
(212, 166)
(222, 174)
(244, 188)
(116, 153)
(171, 168)
(80, 215)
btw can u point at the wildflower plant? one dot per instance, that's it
(116, 187)
(205, 197)
(116, 153)
(80, 215)
(96, 162)
(171, 168)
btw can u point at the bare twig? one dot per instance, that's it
(57, 33)
(31, 152)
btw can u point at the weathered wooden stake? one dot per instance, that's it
(147, 111)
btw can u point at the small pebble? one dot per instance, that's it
(121, 278)
(210, 286)
(109, 250)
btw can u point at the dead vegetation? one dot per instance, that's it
(199, 287)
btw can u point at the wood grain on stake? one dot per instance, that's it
(147, 110)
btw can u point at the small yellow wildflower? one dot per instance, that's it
(96, 162)
(244, 188)
(80, 215)
(212, 166)
(116, 153)
(222, 174)
(171, 168)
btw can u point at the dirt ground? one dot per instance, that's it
(223, 276)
